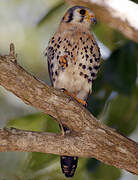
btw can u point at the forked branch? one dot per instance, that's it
(88, 138)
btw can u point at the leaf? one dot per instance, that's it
(92, 164)
(105, 172)
(120, 70)
(38, 161)
(108, 36)
(51, 12)
(35, 122)
(96, 105)
(123, 113)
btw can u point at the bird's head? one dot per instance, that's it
(79, 15)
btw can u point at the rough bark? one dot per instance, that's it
(120, 15)
(88, 138)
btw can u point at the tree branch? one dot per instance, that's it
(120, 15)
(88, 138)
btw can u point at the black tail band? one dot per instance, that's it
(68, 165)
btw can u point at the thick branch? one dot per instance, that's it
(121, 15)
(105, 145)
(89, 137)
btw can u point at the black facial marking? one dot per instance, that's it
(70, 17)
(81, 20)
(81, 73)
(90, 68)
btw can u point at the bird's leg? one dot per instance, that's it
(74, 97)
(60, 124)
(62, 129)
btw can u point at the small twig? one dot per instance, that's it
(12, 53)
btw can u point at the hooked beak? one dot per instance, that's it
(91, 19)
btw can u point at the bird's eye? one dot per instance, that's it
(82, 11)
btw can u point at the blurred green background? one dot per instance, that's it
(29, 25)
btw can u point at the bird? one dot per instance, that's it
(73, 58)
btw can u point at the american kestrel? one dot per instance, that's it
(73, 62)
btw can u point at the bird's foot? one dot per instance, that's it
(74, 97)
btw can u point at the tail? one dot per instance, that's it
(68, 163)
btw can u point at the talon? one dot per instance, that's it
(74, 97)
(81, 101)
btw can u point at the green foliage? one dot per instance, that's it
(120, 70)
(51, 12)
(114, 40)
(123, 114)
(105, 172)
